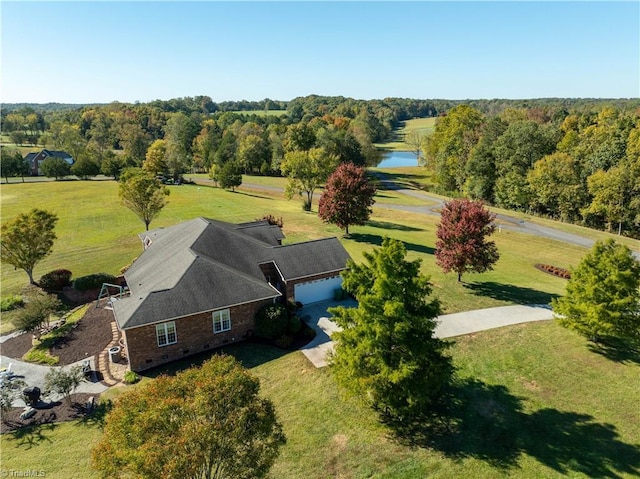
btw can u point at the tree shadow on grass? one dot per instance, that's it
(30, 436)
(617, 350)
(487, 422)
(376, 240)
(511, 293)
(97, 416)
(385, 225)
(263, 197)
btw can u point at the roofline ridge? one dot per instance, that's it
(234, 231)
(246, 276)
(307, 242)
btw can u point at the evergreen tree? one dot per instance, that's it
(602, 297)
(386, 352)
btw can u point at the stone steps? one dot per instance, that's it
(102, 359)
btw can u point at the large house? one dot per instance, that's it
(36, 158)
(198, 285)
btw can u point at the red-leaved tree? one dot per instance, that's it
(462, 244)
(347, 197)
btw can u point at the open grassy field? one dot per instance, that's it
(532, 401)
(97, 234)
(422, 125)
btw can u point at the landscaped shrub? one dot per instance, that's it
(308, 332)
(11, 302)
(272, 321)
(131, 377)
(284, 341)
(272, 220)
(554, 270)
(55, 280)
(93, 281)
(295, 325)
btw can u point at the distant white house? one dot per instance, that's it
(36, 158)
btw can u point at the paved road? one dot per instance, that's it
(433, 205)
(449, 325)
(506, 222)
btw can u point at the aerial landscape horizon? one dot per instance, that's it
(320, 239)
(142, 51)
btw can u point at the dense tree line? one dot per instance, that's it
(580, 167)
(571, 159)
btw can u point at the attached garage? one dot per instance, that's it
(317, 290)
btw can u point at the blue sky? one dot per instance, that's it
(83, 52)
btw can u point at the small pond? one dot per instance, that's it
(396, 159)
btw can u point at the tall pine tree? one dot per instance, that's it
(386, 352)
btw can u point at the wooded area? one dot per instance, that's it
(572, 159)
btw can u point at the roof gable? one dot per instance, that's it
(203, 265)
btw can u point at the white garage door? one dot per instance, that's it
(318, 290)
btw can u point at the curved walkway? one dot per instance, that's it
(449, 325)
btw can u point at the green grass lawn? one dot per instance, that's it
(532, 401)
(422, 125)
(97, 234)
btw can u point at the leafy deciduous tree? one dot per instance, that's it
(347, 197)
(450, 145)
(155, 158)
(556, 186)
(85, 167)
(12, 164)
(28, 239)
(143, 194)
(36, 313)
(602, 297)
(207, 423)
(386, 352)
(306, 171)
(462, 245)
(63, 381)
(229, 175)
(54, 167)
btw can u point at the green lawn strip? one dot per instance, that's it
(422, 125)
(514, 279)
(534, 402)
(412, 177)
(39, 353)
(97, 234)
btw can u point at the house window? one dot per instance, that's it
(166, 333)
(221, 321)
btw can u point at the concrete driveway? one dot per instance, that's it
(317, 317)
(449, 325)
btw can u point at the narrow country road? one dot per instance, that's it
(433, 206)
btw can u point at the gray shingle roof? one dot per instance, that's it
(203, 265)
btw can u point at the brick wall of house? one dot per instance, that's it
(194, 335)
(291, 284)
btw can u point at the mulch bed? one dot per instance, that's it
(59, 411)
(17, 347)
(91, 336)
(554, 270)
